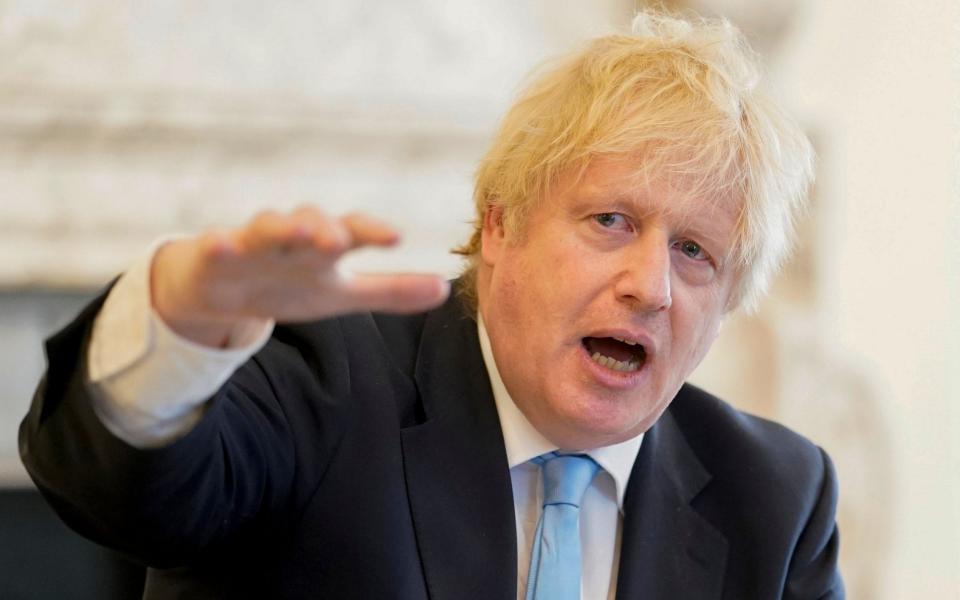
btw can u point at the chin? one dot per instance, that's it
(595, 424)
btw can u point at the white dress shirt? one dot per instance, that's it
(601, 513)
(150, 385)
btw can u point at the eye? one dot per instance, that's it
(692, 249)
(611, 221)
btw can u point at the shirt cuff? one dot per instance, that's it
(149, 385)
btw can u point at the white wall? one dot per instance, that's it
(880, 81)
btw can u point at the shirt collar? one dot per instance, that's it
(523, 441)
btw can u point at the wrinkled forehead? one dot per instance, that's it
(659, 186)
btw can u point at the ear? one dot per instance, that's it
(493, 236)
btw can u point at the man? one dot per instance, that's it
(634, 195)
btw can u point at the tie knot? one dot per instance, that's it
(566, 477)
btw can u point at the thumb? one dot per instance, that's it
(398, 293)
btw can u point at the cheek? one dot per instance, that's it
(529, 277)
(695, 328)
(703, 344)
(548, 282)
(516, 290)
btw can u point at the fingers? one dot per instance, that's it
(322, 232)
(400, 293)
(369, 231)
(309, 227)
(284, 266)
(270, 231)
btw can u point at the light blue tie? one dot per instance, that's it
(555, 558)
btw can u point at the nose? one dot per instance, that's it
(644, 279)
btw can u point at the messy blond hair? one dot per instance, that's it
(679, 93)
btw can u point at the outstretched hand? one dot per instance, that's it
(282, 266)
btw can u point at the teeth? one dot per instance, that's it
(616, 365)
(628, 342)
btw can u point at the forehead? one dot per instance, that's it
(624, 183)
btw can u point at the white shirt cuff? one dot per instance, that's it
(150, 385)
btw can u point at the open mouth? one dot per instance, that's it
(615, 353)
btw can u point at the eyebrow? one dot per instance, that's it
(620, 201)
(633, 204)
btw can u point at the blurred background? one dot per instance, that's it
(123, 121)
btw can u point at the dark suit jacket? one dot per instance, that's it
(361, 457)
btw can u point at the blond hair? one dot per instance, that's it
(681, 94)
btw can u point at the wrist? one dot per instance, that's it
(171, 300)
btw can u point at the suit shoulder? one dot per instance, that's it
(399, 335)
(396, 337)
(746, 449)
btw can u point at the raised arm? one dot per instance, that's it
(222, 472)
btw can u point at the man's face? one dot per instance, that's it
(605, 301)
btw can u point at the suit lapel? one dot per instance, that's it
(668, 550)
(458, 479)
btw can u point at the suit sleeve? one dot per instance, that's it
(228, 477)
(814, 572)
